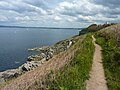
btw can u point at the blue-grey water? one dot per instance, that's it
(14, 43)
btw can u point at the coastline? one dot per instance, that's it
(34, 61)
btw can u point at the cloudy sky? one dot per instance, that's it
(58, 13)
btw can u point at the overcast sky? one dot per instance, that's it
(58, 13)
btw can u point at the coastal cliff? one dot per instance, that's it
(58, 60)
(34, 61)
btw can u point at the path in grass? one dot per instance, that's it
(97, 78)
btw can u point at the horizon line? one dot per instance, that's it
(42, 27)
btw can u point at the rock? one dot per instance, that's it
(29, 66)
(51, 50)
(36, 57)
(43, 55)
(51, 54)
(43, 60)
(9, 74)
(44, 48)
(47, 58)
(30, 58)
(25, 67)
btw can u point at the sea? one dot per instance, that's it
(15, 42)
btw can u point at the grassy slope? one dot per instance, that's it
(109, 39)
(74, 74)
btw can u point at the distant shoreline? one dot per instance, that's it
(38, 27)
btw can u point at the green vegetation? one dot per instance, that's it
(94, 28)
(74, 74)
(109, 40)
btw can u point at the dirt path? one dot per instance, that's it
(97, 78)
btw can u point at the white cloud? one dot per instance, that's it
(3, 18)
(67, 12)
(86, 11)
(40, 10)
(26, 18)
(57, 18)
(65, 4)
(72, 19)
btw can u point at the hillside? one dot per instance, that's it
(70, 69)
(71, 66)
(94, 28)
(109, 39)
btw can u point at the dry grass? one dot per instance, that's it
(54, 64)
(112, 32)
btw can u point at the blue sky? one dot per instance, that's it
(58, 13)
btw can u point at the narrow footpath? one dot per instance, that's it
(97, 77)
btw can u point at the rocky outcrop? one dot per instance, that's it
(9, 74)
(48, 52)
(30, 66)
(36, 60)
(13, 73)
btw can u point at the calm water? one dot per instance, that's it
(14, 43)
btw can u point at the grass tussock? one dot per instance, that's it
(74, 74)
(109, 39)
